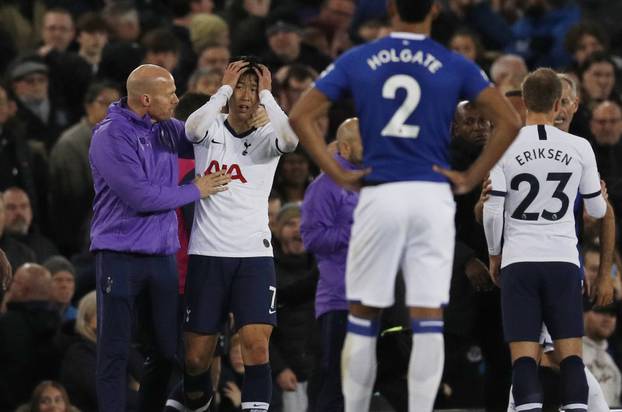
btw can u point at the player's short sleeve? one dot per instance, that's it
(498, 182)
(589, 186)
(474, 80)
(334, 81)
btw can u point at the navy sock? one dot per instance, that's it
(257, 388)
(526, 385)
(574, 389)
(198, 383)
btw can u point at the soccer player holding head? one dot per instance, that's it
(231, 266)
(406, 88)
(534, 186)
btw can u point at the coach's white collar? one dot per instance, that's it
(406, 35)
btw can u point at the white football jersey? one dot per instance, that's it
(234, 223)
(540, 176)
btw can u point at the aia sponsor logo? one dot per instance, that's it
(233, 170)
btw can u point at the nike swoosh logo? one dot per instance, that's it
(214, 141)
(270, 311)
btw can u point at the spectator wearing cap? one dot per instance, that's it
(39, 114)
(291, 353)
(71, 182)
(286, 47)
(19, 223)
(92, 38)
(63, 285)
(600, 323)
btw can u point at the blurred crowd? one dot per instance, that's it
(63, 62)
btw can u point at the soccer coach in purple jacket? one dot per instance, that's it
(133, 157)
(327, 212)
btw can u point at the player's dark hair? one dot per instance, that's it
(253, 63)
(188, 104)
(413, 11)
(541, 89)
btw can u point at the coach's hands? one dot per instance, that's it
(259, 118)
(6, 272)
(232, 73)
(212, 183)
(494, 267)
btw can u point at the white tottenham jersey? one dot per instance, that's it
(234, 223)
(540, 176)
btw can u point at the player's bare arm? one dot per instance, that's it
(500, 112)
(6, 273)
(311, 106)
(602, 291)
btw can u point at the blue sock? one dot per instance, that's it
(526, 385)
(201, 383)
(574, 389)
(257, 388)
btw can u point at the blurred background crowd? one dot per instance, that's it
(62, 62)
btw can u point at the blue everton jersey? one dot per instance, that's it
(405, 87)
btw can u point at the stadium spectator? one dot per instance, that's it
(207, 29)
(77, 371)
(296, 81)
(49, 396)
(27, 332)
(63, 285)
(274, 205)
(291, 351)
(18, 223)
(92, 37)
(600, 323)
(16, 252)
(58, 31)
(161, 48)
(214, 56)
(286, 47)
(598, 79)
(71, 184)
(584, 39)
(294, 176)
(467, 43)
(232, 378)
(205, 81)
(508, 71)
(606, 128)
(20, 165)
(42, 116)
(123, 20)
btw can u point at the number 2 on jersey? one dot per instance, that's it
(397, 126)
(534, 187)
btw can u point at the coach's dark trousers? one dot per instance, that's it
(121, 278)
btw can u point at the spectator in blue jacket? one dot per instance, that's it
(327, 213)
(133, 157)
